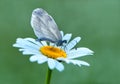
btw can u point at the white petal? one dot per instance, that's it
(62, 33)
(67, 37)
(72, 43)
(29, 51)
(79, 52)
(39, 58)
(59, 66)
(63, 59)
(34, 41)
(44, 43)
(22, 43)
(76, 62)
(52, 44)
(84, 63)
(51, 63)
(42, 59)
(33, 58)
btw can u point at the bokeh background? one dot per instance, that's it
(96, 21)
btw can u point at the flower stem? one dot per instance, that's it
(48, 76)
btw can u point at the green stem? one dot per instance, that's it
(48, 76)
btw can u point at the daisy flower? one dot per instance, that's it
(54, 55)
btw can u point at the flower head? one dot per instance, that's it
(54, 55)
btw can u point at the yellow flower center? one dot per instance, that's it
(53, 52)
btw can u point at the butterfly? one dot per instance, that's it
(45, 27)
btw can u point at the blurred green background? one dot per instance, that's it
(96, 21)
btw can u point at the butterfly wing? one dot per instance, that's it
(44, 26)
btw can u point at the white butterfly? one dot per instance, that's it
(45, 27)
